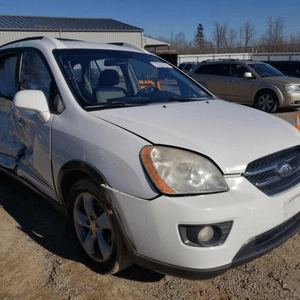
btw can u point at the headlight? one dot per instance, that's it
(292, 88)
(175, 171)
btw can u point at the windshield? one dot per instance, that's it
(109, 78)
(265, 70)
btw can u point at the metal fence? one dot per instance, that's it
(276, 56)
(197, 58)
(202, 57)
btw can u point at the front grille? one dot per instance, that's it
(275, 173)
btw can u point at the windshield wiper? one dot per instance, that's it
(116, 104)
(174, 99)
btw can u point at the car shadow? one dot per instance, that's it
(46, 226)
(287, 110)
(141, 274)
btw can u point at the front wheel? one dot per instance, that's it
(96, 229)
(266, 101)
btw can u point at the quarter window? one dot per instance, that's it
(34, 74)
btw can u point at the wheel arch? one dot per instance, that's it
(72, 172)
(273, 90)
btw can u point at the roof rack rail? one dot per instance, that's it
(69, 40)
(226, 59)
(128, 45)
(23, 40)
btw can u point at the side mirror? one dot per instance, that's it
(248, 75)
(33, 100)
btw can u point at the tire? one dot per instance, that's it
(96, 229)
(2, 175)
(266, 101)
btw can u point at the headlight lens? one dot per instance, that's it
(175, 171)
(292, 88)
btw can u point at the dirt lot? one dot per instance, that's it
(38, 260)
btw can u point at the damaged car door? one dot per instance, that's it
(10, 146)
(34, 135)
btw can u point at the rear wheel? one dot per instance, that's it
(266, 101)
(96, 229)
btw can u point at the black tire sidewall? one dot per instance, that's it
(273, 95)
(111, 265)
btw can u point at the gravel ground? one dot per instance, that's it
(38, 260)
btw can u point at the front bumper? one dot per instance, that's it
(151, 227)
(290, 99)
(257, 247)
(267, 241)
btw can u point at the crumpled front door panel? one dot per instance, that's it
(34, 163)
(11, 147)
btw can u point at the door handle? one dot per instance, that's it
(21, 122)
(18, 119)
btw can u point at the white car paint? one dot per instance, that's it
(213, 128)
(107, 143)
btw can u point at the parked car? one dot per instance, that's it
(166, 175)
(249, 82)
(287, 67)
(188, 67)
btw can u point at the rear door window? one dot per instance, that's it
(8, 86)
(220, 69)
(203, 69)
(214, 69)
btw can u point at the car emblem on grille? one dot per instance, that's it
(284, 169)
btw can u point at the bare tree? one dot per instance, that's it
(294, 43)
(274, 34)
(247, 32)
(231, 39)
(179, 43)
(219, 35)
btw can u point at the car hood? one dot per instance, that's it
(230, 134)
(283, 79)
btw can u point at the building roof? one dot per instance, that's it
(36, 23)
(150, 42)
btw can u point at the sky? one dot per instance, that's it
(165, 18)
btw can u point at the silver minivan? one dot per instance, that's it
(249, 82)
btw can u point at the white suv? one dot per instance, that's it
(149, 166)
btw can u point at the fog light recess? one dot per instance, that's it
(205, 235)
